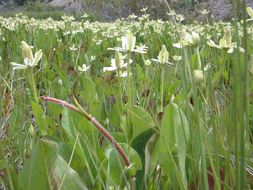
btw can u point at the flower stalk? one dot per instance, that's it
(33, 85)
(129, 89)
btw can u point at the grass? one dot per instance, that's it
(181, 113)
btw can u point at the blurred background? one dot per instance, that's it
(110, 10)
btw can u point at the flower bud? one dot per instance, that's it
(128, 41)
(163, 55)
(26, 50)
(198, 76)
(226, 41)
(195, 39)
(31, 131)
(119, 60)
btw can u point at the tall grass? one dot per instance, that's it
(183, 121)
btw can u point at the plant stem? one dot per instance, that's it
(100, 128)
(129, 90)
(199, 60)
(161, 87)
(33, 85)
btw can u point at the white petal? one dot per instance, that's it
(15, 64)
(231, 50)
(109, 69)
(123, 75)
(178, 45)
(29, 62)
(37, 57)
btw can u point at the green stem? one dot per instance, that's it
(199, 59)
(161, 87)
(129, 89)
(199, 125)
(33, 85)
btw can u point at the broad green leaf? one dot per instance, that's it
(151, 156)
(119, 137)
(116, 166)
(173, 142)
(140, 120)
(67, 124)
(65, 177)
(3, 164)
(139, 144)
(35, 172)
(40, 117)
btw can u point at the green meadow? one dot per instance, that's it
(132, 104)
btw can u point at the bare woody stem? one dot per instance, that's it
(89, 117)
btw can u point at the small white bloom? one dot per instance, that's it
(92, 58)
(128, 44)
(73, 48)
(128, 41)
(144, 9)
(117, 63)
(163, 55)
(83, 68)
(177, 58)
(198, 76)
(28, 61)
(147, 62)
(204, 12)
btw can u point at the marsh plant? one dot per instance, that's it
(133, 104)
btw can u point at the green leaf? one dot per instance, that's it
(40, 117)
(3, 164)
(116, 166)
(151, 156)
(66, 123)
(173, 142)
(65, 177)
(35, 172)
(119, 137)
(141, 120)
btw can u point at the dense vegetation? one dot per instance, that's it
(144, 104)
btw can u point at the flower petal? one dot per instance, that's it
(109, 69)
(37, 57)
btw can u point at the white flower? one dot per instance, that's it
(177, 58)
(123, 74)
(187, 39)
(226, 43)
(198, 76)
(163, 56)
(92, 58)
(117, 63)
(114, 66)
(83, 68)
(128, 41)
(147, 62)
(179, 17)
(29, 59)
(73, 48)
(171, 13)
(128, 44)
(144, 9)
(204, 12)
